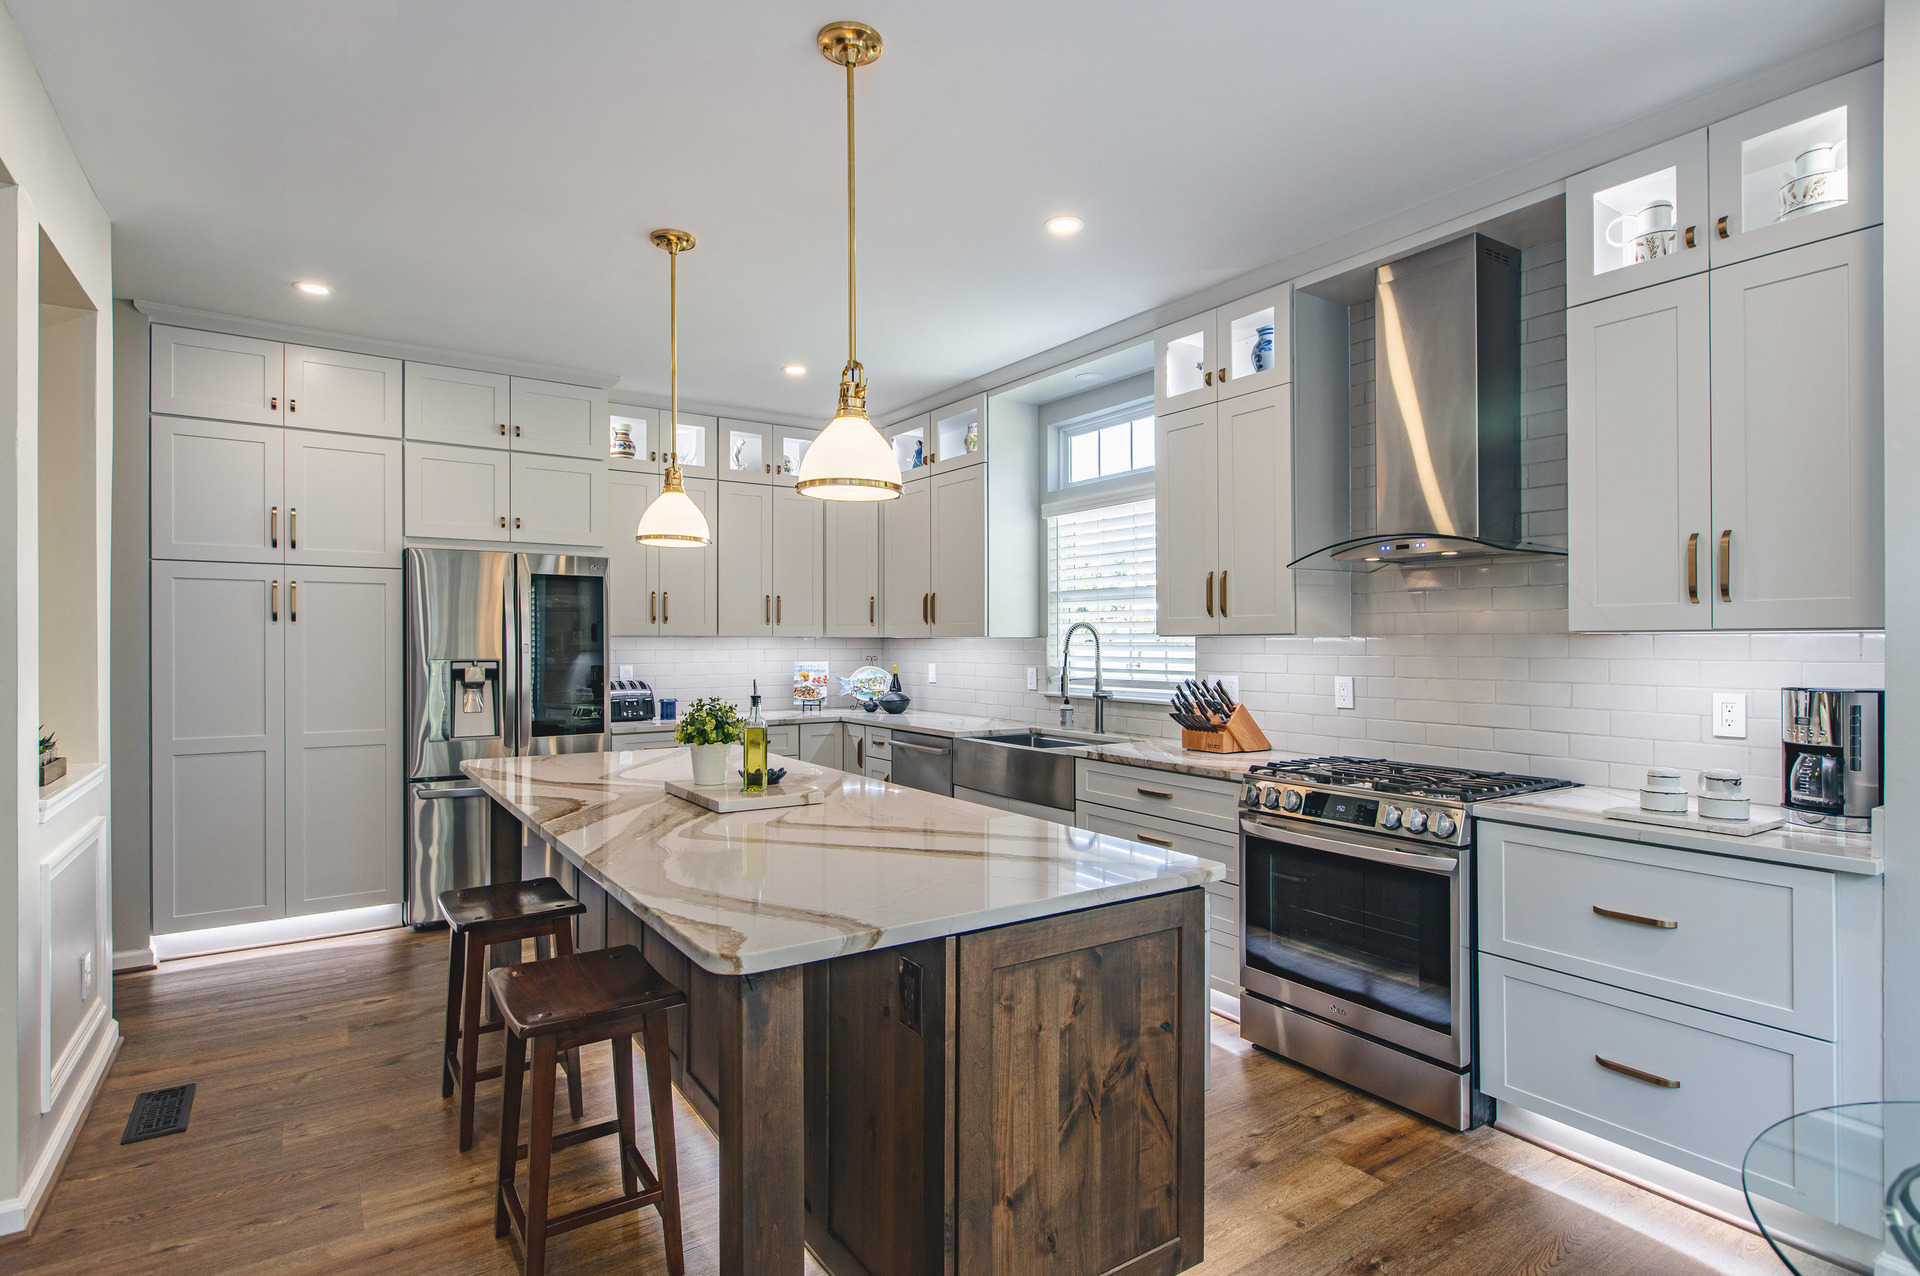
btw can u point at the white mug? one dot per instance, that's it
(1824, 158)
(1657, 216)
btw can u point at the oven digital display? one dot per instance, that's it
(1342, 807)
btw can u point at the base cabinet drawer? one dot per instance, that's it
(1157, 830)
(1752, 940)
(1686, 1086)
(1169, 794)
(1223, 967)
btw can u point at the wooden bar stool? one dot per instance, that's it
(480, 917)
(607, 995)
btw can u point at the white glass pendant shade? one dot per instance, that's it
(673, 521)
(849, 462)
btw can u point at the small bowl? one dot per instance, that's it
(1663, 780)
(1664, 802)
(869, 705)
(1738, 809)
(894, 702)
(774, 775)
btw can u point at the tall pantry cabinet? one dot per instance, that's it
(276, 618)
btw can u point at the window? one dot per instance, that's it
(1100, 569)
(1106, 448)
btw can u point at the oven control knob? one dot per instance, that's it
(1443, 825)
(1291, 801)
(1416, 821)
(1270, 799)
(1252, 796)
(1390, 817)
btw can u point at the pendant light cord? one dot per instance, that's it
(673, 357)
(852, 328)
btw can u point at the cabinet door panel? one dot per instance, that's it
(558, 420)
(458, 493)
(344, 753)
(559, 501)
(217, 491)
(1797, 437)
(958, 606)
(209, 374)
(219, 744)
(1186, 482)
(456, 405)
(906, 531)
(746, 451)
(687, 576)
(347, 393)
(1184, 359)
(1613, 244)
(343, 500)
(1254, 594)
(633, 599)
(1639, 457)
(852, 569)
(741, 537)
(799, 534)
(1253, 342)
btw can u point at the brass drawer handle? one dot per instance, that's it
(666, 609)
(1223, 591)
(869, 609)
(293, 600)
(1649, 1077)
(1153, 793)
(293, 534)
(1693, 568)
(766, 609)
(653, 607)
(273, 528)
(1151, 840)
(273, 607)
(1209, 593)
(1726, 566)
(1658, 923)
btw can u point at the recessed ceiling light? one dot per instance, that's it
(795, 370)
(313, 289)
(1065, 225)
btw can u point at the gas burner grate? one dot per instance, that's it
(1409, 779)
(158, 1112)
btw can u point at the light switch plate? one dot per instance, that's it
(1343, 693)
(1730, 714)
(626, 672)
(1033, 678)
(932, 676)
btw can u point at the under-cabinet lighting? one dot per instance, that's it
(1065, 225)
(314, 290)
(282, 930)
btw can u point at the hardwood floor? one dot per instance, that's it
(319, 1143)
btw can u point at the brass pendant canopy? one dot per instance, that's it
(672, 520)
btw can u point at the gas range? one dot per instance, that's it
(1411, 801)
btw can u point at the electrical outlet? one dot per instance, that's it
(932, 677)
(86, 976)
(1343, 693)
(1231, 681)
(1033, 678)
(1730, 714)
(626, 673)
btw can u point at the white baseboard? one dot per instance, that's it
(19, 1212)
(125, 959)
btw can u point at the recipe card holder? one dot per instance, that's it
(1239, 734)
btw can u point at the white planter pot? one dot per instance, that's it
(709, 763)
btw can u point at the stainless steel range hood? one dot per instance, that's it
(1447, 412)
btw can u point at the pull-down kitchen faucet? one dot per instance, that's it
(1100, 693)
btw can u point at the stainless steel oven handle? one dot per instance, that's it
(1439, 864)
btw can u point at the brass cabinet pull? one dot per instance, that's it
(1153, 793)
(1223, 591)
(273, 528)
(933, 607)
(503, 429)
(273, 607)
(1151, 840)
(860, 753)
(653, 607)
(869, 609)
(516, 431)
(666, 612)
(292, 405)
(923, 609)
(293, 534)
(503, 520)
(516, 523)
(1726, 566)
(1208, 376)
(1658, 923)
(1209, 593)
(293, 600)
(776, 610)
(1649, 1077)
(1721, 226)
(1693, 568)
(1690, 242)
(766, 609)
(273, 404)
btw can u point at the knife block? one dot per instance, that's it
(1240, 734)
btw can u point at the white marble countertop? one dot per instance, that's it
(1578, 811)
(952, 724)
(1167, 755)
(871, 866)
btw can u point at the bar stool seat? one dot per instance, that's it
(479, 917)
(608, 995)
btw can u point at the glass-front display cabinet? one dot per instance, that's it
(790, 448)
(1638, 221)
(697, 438)
(633, 437)
(746, 451)
(1233, 350)
(912, 447)
(959, 432)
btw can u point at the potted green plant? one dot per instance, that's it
(51, 767)
(709, 726)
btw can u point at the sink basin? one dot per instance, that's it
(1027, 766)
(1037, 740)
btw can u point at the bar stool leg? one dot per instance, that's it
(510, 1077)
(665, 1162)
(623, 1104)
(456, 970)
(470, 1038)
(540, 1155)
(563, 947)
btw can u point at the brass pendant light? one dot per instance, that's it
(850, 461)
(672, 520)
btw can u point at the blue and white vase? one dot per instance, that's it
(1263, 349)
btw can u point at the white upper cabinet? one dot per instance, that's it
(742, 538)
(790, 444)
(1797, 438)
(343, 495)
(217, 491)
(687, 577)
(852, 567)
(1804, 168)
(558, 500)
(1638, 221)
(957, 586)
(1184, 358)
(1255, 513)
(457, 493)
(341, 392)
(697, 440)
(906, 562)
(747, 451)
(209, 374)
(1253, 342)
(633, 437)
(633, 599)
(913, 447)
(1186, 483)
(958, 432)
(1639, 461)
(455, 405)
(557, 420)
(797, 555)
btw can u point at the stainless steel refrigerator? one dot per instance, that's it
(506, 657)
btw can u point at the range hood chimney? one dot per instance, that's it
(1447, 412)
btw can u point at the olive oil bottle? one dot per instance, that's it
(754, 747)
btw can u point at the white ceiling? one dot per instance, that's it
(481, 174)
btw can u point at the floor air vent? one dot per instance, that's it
(159, 1112)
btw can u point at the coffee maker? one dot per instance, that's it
(1830, 740)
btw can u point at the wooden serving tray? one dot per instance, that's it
(727, 798)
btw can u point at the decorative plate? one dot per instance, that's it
(866, 682)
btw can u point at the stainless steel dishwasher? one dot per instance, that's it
(923, 761)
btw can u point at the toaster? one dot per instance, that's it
(631, 700)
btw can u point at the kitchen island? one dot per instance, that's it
(932, 1037)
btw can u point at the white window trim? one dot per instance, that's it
(1120, 490)
(1061, 432)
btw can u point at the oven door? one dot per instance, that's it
(1360, 932)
